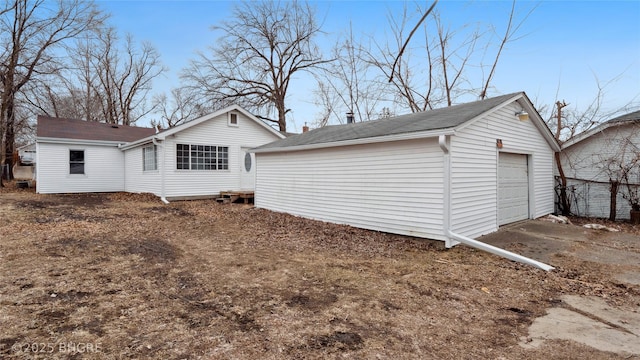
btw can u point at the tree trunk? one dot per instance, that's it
(282, 115)
(9, 137)
(613, 191)
(565, 205)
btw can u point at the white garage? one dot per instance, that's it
(513, 188)
(440, 174)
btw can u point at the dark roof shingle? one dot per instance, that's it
(437, 119)
(632, 116)
(50, 127)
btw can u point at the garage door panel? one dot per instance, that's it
(513, 188)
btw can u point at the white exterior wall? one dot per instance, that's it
(394, 187)
(474, 170)
(585, 165)
(136, 180)
(592, 199)
(104, 169)
(217, 132)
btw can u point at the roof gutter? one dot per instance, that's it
(359, 141)
(143, 141)
(452, 238)
(50, 140)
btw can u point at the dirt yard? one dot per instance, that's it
(118, 276)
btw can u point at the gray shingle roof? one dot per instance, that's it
(59, 128)
(633, 116)
(437, 119)
(630, 118)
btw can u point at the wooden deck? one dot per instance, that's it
(231, 196)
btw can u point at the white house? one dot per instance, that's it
(442, 174)
(592, 159)
(199, 158)
(74, 156)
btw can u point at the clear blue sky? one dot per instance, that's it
(568, 44)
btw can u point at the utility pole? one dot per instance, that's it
(560, 105)
(565, 205)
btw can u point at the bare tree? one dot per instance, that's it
(106, 79)
(124, 77)
(564, 203)
(619, 161)
(437, 72)
(60, 95)
(614, 162)
(262, 47)
(411, 86)
(567, 122)
(31, 31)
(345, 85)
(512, 29)
(181, 107)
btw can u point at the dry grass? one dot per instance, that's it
(138, 279)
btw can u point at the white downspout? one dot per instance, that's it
(162, 194)
(500, 252)
(443, 141)
(453, 238)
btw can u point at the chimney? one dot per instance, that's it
(350, 117)
(305, 128)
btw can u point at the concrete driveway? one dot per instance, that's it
(589, 320)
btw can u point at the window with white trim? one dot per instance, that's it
(76, 161)
(182, 157)
(149, 158)
(223, 158)
(233, 119)
(202, 157)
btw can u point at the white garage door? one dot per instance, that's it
(513, 188)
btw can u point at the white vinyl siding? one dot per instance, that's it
(181, 182)
(398, 186)
(474, 166)
(393, 187)
(584, 165)
(592, 199)
(103, 169)
(136, 179)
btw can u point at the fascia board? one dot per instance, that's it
(49, 140)
(362, 141)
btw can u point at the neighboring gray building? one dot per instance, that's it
(593, 158)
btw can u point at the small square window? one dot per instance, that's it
(233, 119)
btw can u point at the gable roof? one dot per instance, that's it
(428, 123)
(630, 118)
(167, 132)
(73, 129)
